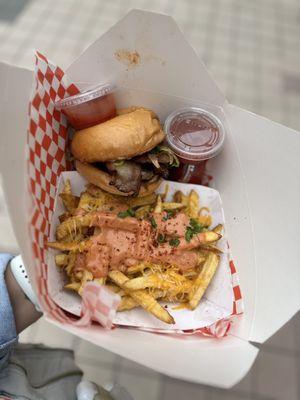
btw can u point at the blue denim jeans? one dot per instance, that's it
(8, 334)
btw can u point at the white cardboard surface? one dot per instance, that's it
(272, 172)
(220, 363)
(168, 64)
(15, 84)
(257, 176)
(218, 299)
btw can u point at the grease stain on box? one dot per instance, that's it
(130, 58)
(133, 59)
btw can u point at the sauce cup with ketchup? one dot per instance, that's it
(89, 108)
(195, 135)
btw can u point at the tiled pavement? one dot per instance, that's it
(252, 49)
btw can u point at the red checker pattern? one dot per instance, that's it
(47, 141)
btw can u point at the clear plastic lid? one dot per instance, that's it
(88, 95)
(194, 134)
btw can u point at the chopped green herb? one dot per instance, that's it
(194, 228)
(111, 208)
(131, 212)
(174, 242)
(169, 214)
(161, 238)
(188, 234)
(153, 223)
(128, 213)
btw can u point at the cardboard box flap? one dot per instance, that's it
(147, 51)
(15, 84)
(270, 162)
(220, 363)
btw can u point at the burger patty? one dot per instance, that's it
(128, 175)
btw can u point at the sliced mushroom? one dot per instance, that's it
(159, 155)
(153, 158)
(163, 171)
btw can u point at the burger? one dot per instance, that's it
(124, 155)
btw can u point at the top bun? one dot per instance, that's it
(125, 136)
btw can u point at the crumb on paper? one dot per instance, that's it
(130, 58)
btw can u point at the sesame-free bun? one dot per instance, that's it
(102, 179)
(123, 137)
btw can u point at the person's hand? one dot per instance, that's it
(24, 311)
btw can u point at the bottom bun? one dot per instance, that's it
(102, 180)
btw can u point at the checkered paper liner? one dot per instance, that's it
(46, 148)
(47, 142)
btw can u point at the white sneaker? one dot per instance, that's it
(18, 270)
(86, 390)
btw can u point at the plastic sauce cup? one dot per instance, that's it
(89, 108)
(195, 135)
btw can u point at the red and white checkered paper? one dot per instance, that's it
(47, 143)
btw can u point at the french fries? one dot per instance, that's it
(179, 197)
(147, 282)
(172, 206)
(69, 200)
(73, 286)
(203, 279)
(127, 303)
(73, 225)
(158, 206)
(142, 211)
(61, 260)
(142, 298)
(141, 201)
(218, 228)
(67, 187)
(69, 246)
(164, 281)
(210, 237)
(88, 202)
(63, 217)
(100, 281)
(70, 266)
(193, 204)
(204, 217)
(212, 247)
(165, 193)
(136, 268)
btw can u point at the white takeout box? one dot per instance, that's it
(257, 176)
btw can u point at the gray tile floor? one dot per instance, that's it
(252, 49)
(274, 376)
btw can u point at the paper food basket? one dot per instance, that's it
(250, 175)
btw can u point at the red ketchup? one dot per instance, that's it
(89, 108)
(195, 135)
